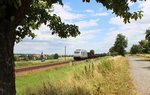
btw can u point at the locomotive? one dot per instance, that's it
(80, 54)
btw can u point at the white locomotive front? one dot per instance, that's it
(80, 54)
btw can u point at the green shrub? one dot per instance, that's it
(56, 56)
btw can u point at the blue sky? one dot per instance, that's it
(98, 27)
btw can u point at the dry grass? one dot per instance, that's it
(143, 55)
(99, 77)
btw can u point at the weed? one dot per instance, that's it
(105, 77)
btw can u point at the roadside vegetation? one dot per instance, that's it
(143, 47)
(119, 46)
(143, 55)
(100, 76)
(35, 80)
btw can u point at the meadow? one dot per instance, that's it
(19, 64)
(100, 76)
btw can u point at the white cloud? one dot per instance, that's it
(84, 40)
(101, 14)
(51, 43)
(98, 13)
(116, 21)
(135, 30)
(89, 11)
(87, 23)
(66, 12)
(130, 3)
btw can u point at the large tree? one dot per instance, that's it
(19, 17)
(147, 37)
(136, 49)
(144, 45)
(119, 45)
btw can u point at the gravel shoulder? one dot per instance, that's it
(140, 72)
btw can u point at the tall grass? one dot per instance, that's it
(34, 80)
(143, 55)
(98, 77)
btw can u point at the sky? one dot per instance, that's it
(98, 27)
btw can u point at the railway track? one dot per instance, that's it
(44, 66)
(38, 67)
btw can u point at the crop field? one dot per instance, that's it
(100, 76)
(19, 64)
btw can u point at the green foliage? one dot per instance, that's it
(143, 46)
(50, 57)
(31, 57)
(16, 58)
(23, 57)
(26, 58)
(23, 16)
(147, 37)
(37, 61)
(28, 15)
(40, 13)
(136, 49)
(119, 45)
(56, 56)
(120, 8)
(102, 54)
(113, 52)
(92, 51)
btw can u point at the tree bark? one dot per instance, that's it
(7, 72)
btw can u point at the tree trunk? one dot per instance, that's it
(7, 73)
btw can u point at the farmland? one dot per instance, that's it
(106, 76)
(22, 63)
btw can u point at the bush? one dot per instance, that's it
(50, 57)
(56, 56)
(26, 58)
(114, 53)
(102, 54)
(31, 57)
(16, 58)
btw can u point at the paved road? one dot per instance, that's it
(140, 71)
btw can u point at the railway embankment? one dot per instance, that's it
(99, 76)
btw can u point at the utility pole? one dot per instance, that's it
(65, 53)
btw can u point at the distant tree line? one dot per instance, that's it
(27, 57)
(143, 46)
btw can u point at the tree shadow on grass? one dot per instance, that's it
(148, 68)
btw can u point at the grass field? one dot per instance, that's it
(19, 64)
(100, 76)
(35, 80)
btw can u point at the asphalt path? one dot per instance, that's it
(140, 72)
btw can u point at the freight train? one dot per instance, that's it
(80, 54)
